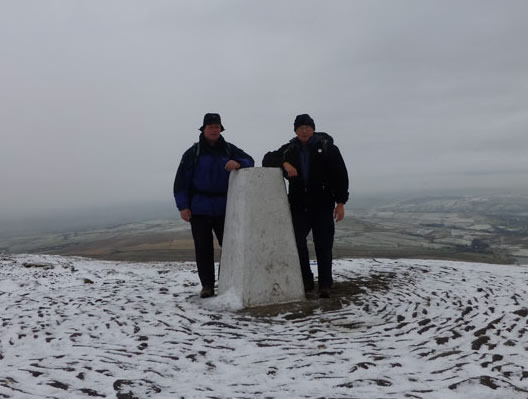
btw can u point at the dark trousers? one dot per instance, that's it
(202, 228)
(321, 222)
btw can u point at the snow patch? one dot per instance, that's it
(392, 328)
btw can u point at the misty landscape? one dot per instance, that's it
(491, 229)
(427, 102)
(401, 322)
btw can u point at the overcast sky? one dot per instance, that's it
(99, 99)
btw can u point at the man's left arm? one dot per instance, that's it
(339, 178)
(245, 160)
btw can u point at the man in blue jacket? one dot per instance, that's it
(318, 191)
(200, 191)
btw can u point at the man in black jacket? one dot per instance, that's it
(318, 191)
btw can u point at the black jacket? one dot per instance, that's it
(327, 179)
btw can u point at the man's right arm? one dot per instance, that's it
(182, 181)
(289, 169)
(186, 214)
(274, 159)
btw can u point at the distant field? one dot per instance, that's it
(353, 240)
(475, 229)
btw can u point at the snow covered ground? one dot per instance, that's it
(79, 328)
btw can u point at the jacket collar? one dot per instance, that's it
(219, 147)
(311, 142)
(220, 143)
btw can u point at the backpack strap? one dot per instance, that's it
(196, 148)
(229, 149)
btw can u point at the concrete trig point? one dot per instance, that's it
(260, 263)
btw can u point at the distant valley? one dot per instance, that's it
(492, 229)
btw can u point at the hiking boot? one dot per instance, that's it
(207, 292)
(324, 293)
(308, 285)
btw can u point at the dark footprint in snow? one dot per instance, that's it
(135, 389)
(91, 392)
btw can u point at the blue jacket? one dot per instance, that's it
(201, 181)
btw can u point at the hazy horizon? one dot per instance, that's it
(100, 99)
(85, 218)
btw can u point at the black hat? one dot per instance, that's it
(212, 119)
(303, 119)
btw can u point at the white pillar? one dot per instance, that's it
(260, 264)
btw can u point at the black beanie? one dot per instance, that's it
(212, 119)
(303, 119)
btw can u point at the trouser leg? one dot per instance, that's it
(202, 232)
(218, 228)
(323, 235)
(301, 227)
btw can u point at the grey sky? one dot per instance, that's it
(100, 98)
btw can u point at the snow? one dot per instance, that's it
(74, 328)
